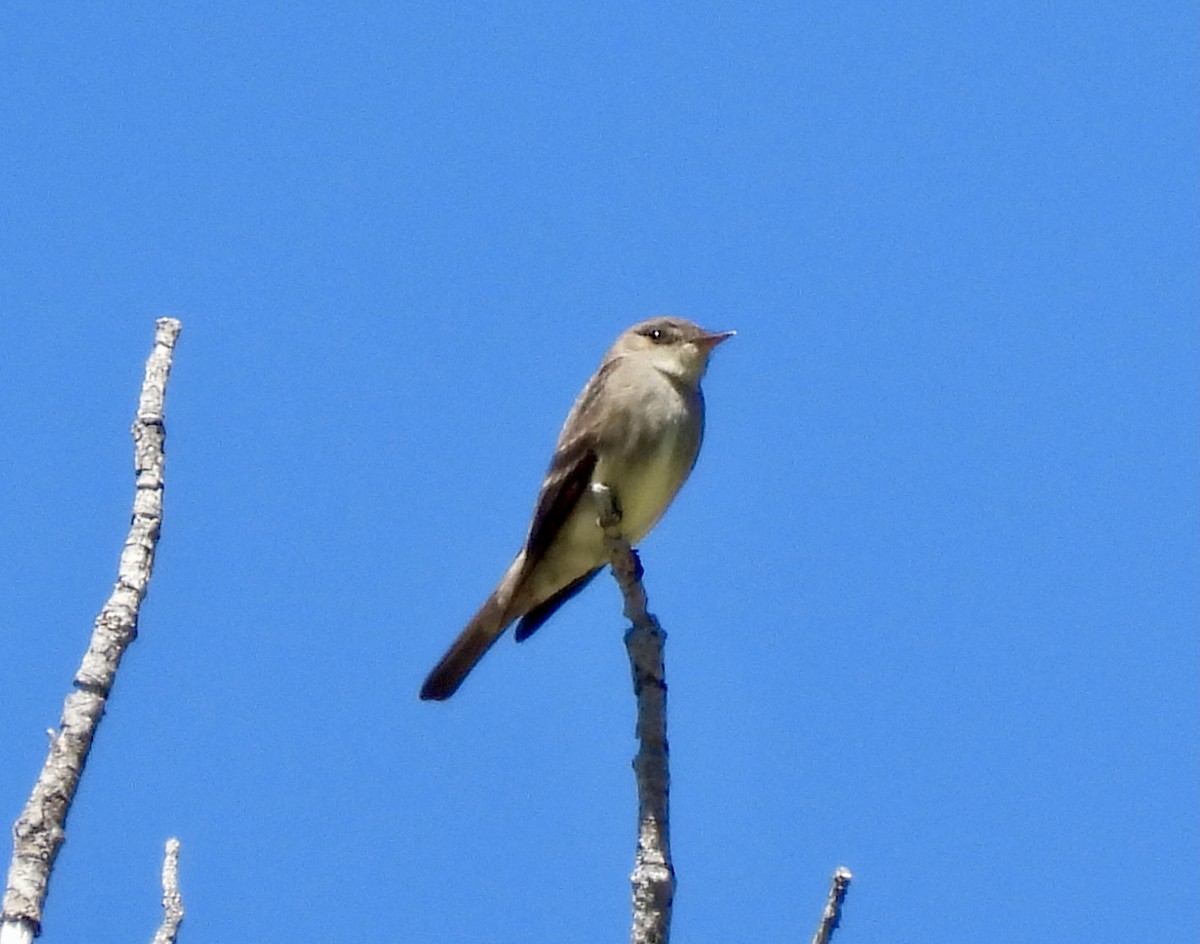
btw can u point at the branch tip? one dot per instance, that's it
(831, 917)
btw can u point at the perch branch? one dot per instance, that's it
(653, 877)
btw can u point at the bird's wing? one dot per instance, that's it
(533, 620)
(570, 470)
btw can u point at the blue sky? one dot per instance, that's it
(931, 592)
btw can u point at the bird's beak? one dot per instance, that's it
(709, 341)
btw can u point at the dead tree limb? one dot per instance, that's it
(40, 830)
(832, 915)
(172, 900)
(653, 876)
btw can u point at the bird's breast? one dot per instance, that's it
(646, 477)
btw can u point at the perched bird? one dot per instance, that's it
(636, 428)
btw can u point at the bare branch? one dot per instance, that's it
(39, 831)
(832, 915)
(172, 900)
(653, 876)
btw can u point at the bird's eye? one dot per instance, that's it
(657, 335)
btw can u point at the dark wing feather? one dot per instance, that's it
(568, 479)
(533, 620)
(570, 470)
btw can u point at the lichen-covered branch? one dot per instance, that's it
(653, 876)
(832, 915)
(40, 830)
(172, 900)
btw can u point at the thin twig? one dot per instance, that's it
(653, 877)
(40, 830)
(832, 915)
(172, 900)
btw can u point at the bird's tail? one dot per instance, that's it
(483, 630)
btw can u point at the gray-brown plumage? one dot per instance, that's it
(636, 427)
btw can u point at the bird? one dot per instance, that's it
(635, 428)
